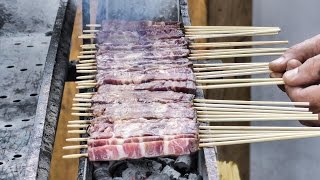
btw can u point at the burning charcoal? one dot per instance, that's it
(129, 173)
(156, 167)
(140, 175)
(158, 176)
(166, 161)
(171, 172)
(182, 178)
(183, 163)
(102, 174)
(194, 177)
(117, 167)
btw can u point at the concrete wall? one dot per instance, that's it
(293, 159)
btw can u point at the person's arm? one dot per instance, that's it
(300, 69)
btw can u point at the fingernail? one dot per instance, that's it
(291, 74)
(279, 60)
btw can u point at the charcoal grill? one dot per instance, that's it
(40, 70)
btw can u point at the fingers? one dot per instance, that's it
(311, 123)
(309, 94)
(303, 74)
(300, 52)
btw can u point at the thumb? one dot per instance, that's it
(306, 74)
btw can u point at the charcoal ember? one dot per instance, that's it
(183, 163)
(101, 171)
(156, 167)
(102, 174)
(166, 161)
(172, 173)
(133, 173)
(141, 169)
(117, 167)
(193, 176)
(182, 178)
(158, 176)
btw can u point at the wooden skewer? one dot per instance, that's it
(238, 113)
(212, 116)
(77, 125)
(235, 51)
(255, 33)
(220, 81)
(86, 56)
(229, 67)
(81, 108)
(86, 64)
(227, 64)
(88, 84)
(215, 132)
(93, 25)
(88, 45)
(77, 139)
(77, 131)
(235, 44)
(205, 136)
(248, 137)
(88, 52)
(90, 31)
(80, 95)
(247, 128)
(75, 156)
(86, 77)
(87, 68)
(285, 137)
(231, 74)
(216, 109)
(231, 28)
(228, 27)
(86, 81)
(87, 61)
(250, 107)
(86, 71)
(82, 104)
(254, 69)
(221, 31)
(196, 51)
(233, 56)
(87, 36)
(82, 114)
(220, 86)
(252, 102)
(82, 100)
(258, 119)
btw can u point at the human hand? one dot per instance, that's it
(300, 69)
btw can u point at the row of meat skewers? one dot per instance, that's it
(206, 78)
